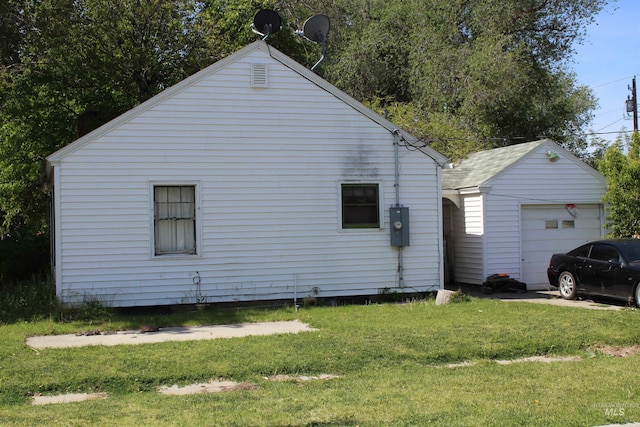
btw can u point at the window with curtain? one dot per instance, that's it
(175, 219)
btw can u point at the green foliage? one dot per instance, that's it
(495, 70)
(29, 299)
(12, 25)
(89, 310)
(77, 65)
(459, 296)
(597, 147)
(623, 192)
(22, 256)
(34, 298)
(441, 131)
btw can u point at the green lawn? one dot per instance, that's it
(390, 360)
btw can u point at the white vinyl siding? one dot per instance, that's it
(468, 235)
(267, 163)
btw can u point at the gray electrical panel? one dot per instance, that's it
(399, 224)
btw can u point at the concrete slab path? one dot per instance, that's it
(187, 333)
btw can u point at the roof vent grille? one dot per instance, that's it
(259, 75)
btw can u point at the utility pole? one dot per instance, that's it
(632, 104)
(635, 104)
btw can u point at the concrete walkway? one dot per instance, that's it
(188, 333)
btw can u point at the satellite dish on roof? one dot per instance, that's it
(316, 29)
(265, 23)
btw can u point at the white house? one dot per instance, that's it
(253, 179)
(507, 210)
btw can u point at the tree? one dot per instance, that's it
(496, 69)
(72, 65)
(13, 25)
(228, 23)
(440, 131)
(623, 192)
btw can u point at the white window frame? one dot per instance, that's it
(381, 210)
(198, 219)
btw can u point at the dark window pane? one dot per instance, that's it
(360, 206)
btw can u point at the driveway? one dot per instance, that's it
(542, 297)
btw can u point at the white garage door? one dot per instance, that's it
(547, 229)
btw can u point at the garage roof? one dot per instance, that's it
(480, 167)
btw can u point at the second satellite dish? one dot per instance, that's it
(266, 22)
(316, 28)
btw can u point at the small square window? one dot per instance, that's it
(568, 224)
(548, 224)
(360, 206)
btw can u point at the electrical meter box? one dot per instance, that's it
(399, 224)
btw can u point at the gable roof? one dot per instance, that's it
(484, 166)
(197, 77)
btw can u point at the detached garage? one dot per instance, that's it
(507, 210)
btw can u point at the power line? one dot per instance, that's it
(611, 124)
(608, 133)
(611, 82)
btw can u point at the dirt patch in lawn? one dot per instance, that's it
(631, 350)
(460, 364)
(218, 386)
(66, 398)
(301, 377)
(544, 359)
(625, 351)
(214, 386)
